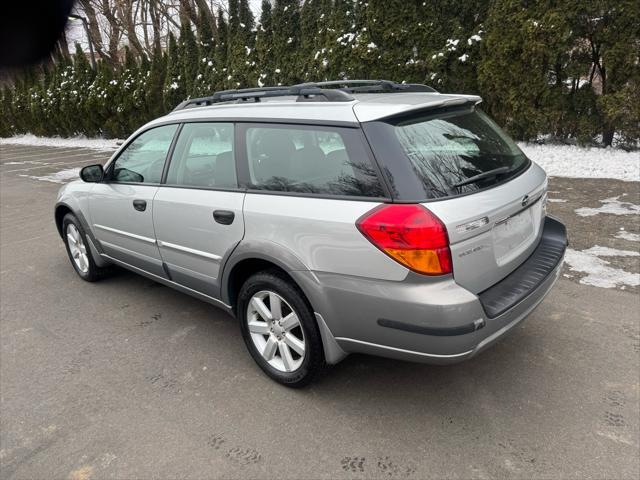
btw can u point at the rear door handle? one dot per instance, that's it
(225, 217)
(140, 205)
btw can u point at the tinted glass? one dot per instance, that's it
(449, 149)
(311, 160)
(143, 160)
(204, 156)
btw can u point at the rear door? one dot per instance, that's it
(197, 212)
(121, 207)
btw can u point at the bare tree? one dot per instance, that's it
(94, 27)
(127, 12)
(109, 11)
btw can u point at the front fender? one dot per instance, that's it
(74, 198)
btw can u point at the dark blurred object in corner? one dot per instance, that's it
(29, 29)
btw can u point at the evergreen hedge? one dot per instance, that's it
(531, 61)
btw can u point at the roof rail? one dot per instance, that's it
(307, 92)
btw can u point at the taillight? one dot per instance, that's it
(411, 235)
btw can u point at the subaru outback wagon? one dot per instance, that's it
(328, 218)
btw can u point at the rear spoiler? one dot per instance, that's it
(367, 112)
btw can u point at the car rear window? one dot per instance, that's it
(315, 160)
(449, 150)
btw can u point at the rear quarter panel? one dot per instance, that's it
(320, 232)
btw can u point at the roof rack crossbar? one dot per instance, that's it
(307, 92)
(373, 86)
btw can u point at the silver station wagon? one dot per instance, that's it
(328, 218)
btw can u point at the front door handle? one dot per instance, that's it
(225, 217)
(140, 205)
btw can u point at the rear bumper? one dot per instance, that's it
(434, 321)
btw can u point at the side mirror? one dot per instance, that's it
(92, 174)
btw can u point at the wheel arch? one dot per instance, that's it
(249, 258)
(61, 210)
(245, 261)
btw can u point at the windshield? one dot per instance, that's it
(448, 150)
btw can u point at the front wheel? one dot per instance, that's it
(279, 329)
(78, 250)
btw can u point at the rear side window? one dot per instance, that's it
(317, 160)
(204, 157)
(457, 152)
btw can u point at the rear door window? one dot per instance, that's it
(315, 160)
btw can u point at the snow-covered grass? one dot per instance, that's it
(73, 142)
(557, 160)
(599, 272)
(63, 176)
(576, 162)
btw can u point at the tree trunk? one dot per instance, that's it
(155, 25)
(203, 9)
(187, 12)
(127, 14)
(64, 47)
(108, 11)
(94, 27)
(607, 135)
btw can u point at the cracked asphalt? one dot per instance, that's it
(128, 379)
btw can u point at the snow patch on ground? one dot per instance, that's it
(62, 176)
(624, 235)
(575, 162)
(599, 251)
(599, 272)
(73, 142)
(612, 206)
(556, 200)
(26, 162)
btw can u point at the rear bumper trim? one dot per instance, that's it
(433, 331)
(526, 279)
(394, 352)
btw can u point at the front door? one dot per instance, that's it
(121, 207)
(197, 213)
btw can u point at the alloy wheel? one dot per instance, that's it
(77, 248)
(276, 331)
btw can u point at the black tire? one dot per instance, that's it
(313, 362)
(93, 273)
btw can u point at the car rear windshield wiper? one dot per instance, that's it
(476, 178)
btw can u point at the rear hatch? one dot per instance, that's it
(492, 232)
(463, 168)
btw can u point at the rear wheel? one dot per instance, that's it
(79, 252)
(279, 329)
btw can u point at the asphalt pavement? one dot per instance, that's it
(128, 379)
